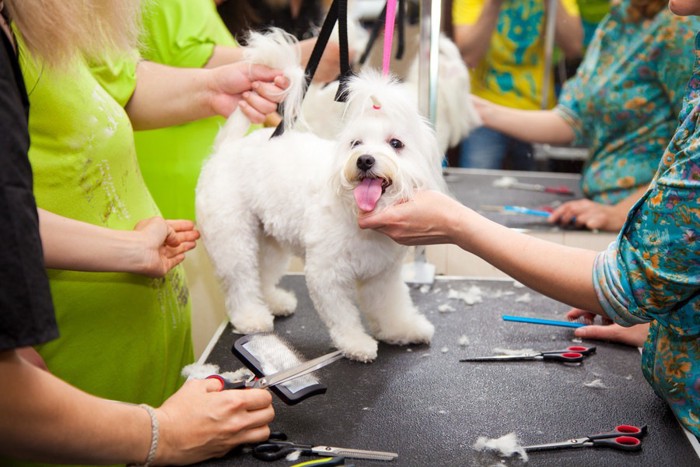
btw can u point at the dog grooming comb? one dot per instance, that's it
(265, 354)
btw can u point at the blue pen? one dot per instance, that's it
(546, 322)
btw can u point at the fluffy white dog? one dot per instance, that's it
(261, 199)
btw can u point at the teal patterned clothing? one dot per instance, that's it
(624, 100)
(651, 273)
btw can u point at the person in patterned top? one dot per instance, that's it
(622, 105)
(649, 274)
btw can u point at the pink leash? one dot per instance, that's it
(388, 35)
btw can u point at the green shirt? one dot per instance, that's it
(181, 33)
(122, 336)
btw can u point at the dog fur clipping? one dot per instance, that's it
(261, 199)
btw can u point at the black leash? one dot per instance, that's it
(338, 12)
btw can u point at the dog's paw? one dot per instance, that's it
(416, 331)
(281, 302)
(357, 346)
(252, 320)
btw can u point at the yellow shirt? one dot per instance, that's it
(512, 71)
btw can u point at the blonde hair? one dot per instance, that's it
(56, 31)
(640, 10)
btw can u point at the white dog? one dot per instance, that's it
(260, 199)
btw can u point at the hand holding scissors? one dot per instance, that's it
(282, 376)
(622, 437)
(277, 448)
(572, 354)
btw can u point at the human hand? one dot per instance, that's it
(635, 335)
(164, 244)
(422, 220)
(257, 89)
(483, 107)
(200, 421)
(329, 67)
(589, 214)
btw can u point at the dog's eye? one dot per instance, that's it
(395, 143)
(354, 143)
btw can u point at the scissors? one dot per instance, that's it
(622, 437)
(571, 354)
(282, 376)
(277, 447)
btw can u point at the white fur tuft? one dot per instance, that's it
(280, 50)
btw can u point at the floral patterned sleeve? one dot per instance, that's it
(572, 95)
(651, 273)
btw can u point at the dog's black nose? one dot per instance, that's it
(365, 162)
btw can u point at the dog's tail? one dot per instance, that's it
(276, 49)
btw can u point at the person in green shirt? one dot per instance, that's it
(43, 418)
(122, 337)
(191, 34)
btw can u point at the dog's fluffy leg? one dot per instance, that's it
(231, 234)
(273, 264)
(391, 315)
(334, 302)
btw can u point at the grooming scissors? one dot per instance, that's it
(282, 376)
(277, 448)
(571, 354)
(622, 437)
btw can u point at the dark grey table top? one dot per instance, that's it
(475, 188)
(420, 402)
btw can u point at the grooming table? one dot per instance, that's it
(475, 188)
(422, 403)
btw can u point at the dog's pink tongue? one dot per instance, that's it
(367, 193)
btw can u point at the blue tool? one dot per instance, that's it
(623, 437)
(547, 322)
(571, 354)
(524, 210)
(507, 209)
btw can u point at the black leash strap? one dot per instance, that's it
(338, 11)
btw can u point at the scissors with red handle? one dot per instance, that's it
(572, 354)
(622, 437)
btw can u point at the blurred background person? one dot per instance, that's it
(622, 104)
(503, 44)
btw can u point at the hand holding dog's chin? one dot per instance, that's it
(422, 220)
